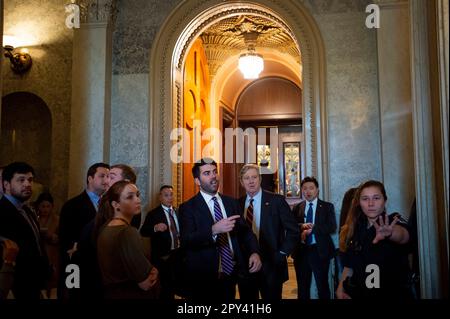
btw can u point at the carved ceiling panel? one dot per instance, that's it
(234, 35)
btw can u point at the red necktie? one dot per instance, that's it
(249, 217)
(173, 229)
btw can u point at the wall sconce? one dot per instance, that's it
(20, 59)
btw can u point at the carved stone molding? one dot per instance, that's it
(98, 11)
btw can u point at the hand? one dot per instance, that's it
(153, 276)
(340, 293)
(305, 233)
(254, 263)
(72, 250)
(10, 251)
(383, 228)
(224, 225)
(306, 226)
(160, 227)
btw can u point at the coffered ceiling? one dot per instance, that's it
(233, 35)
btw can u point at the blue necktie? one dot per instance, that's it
(226, 257)
(309, 219)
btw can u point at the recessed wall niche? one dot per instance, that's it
(26, 133)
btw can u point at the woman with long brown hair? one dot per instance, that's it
(373, 248)
(126, 271)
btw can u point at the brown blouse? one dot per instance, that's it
(123, 263)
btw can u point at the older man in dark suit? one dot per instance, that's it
(20, 224)
(76, 213)
(214, 236)
(275, 227)
(317, 222)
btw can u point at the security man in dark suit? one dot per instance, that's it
(317, 222)
(20, 224)
(275, 227)
(214, 235)
(162, 226)
(76, 213)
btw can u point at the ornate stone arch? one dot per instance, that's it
(181, 27)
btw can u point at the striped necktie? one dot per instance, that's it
(249, 216)
(226, 256)
(173, 229)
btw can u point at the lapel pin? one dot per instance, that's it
(267, 203)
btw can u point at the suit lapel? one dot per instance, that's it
(318, 212)
(91, 210)
(302, 211)
(228, 207)
(203, 208)
(265, 212)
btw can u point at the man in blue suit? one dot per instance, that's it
(219, 246)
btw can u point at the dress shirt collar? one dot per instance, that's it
(95, 199)
(17, 203)
(256, 198)
(207, 197)
(314, 202)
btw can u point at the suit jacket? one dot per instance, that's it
(161, 242)
(202, 254)
(75, 214)
(324, 226)
(32, 267)
(278, 232)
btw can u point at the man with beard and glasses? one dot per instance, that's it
(19, 223)
(219, 246)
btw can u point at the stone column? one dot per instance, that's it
(443, 48)
(432, 252)
(395, 104)
(91, 90)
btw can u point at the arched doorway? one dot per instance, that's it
(273, 105)
(172, 43)
(26, 133)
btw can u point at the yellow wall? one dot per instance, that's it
(196, 117)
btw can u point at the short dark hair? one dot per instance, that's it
(164, 187)
(309, 179)
(15, 168)
(198, 164)
(44, 197)
(93, 169)
(128, 172)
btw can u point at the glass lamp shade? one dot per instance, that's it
(251, 65)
